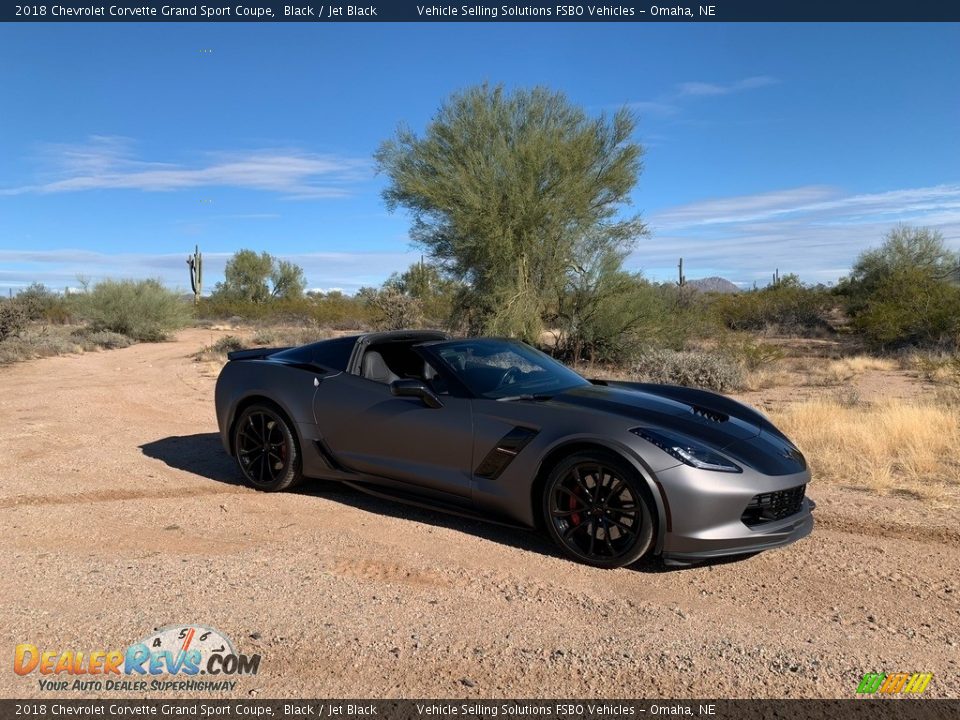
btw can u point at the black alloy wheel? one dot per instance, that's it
(266, 449)
(596, 512)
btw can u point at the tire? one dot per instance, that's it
(595, 509)
(266, 449)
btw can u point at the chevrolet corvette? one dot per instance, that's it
(494, 429)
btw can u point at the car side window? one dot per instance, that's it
(333, 354)
(389, 361)
(330, 354)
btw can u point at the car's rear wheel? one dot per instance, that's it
(595, 509)
(266, 449)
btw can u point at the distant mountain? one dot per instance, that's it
(713, 284)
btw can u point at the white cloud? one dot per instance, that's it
(814, 231)
(332, 270)
(671, 103)
(713, 89)
(654, 107)
(106, 162)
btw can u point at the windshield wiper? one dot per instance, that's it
(525, 396)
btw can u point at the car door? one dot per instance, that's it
(370, 431)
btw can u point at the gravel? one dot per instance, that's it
(123, 514)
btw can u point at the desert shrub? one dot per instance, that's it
(38, 341)
(43, 305)
(905, 292)
(228, 343)
(334, 310)
(90, 339)
(608, 318)
(909, 307)
(938, 367)
(109, 340)
(143, 310)
(713, 371)
(290, 336)
(904, 248)
(264, 337)
(753, 355)
(789, 306)
(217, 351)
(432, 286)
(13, 318)
(394, 310)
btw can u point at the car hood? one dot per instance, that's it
(713, 425)
(741, 432)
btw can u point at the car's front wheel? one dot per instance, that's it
(595, 509)
(266, 449)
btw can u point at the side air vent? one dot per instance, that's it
(711, 415)
(504, 452)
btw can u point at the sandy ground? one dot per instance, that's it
(119, 513)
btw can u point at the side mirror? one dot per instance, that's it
(417, 389)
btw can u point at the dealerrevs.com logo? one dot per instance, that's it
(181, 652)
(894, 683)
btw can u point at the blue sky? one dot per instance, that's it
(792, 146)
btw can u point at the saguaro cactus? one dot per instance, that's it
(195, 263)
(681, 278)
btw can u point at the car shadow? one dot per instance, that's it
(202, 454)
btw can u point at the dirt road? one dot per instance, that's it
(120, 513)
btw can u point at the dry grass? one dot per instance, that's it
(38, 341)
(937, 367)
(889, 447)
(837, 372)
(768, 377)
(275, 336)
(289, 336)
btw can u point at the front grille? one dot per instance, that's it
(771, 506)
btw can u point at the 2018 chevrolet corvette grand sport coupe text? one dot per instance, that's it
(494, 429)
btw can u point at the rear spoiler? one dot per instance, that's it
(254, 354)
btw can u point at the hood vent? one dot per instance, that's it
(711, 415)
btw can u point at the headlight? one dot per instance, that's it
(687, 451)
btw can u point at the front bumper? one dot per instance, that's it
(706, 512)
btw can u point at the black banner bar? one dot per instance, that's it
(484, 11)
(853, 709)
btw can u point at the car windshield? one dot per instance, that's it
(505, 369)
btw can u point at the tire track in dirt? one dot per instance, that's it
(104, 496)
(886, 529)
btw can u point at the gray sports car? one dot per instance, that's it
(494, 429)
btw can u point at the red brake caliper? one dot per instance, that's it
(575, 518)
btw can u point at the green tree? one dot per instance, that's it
(502, 186)
(288, 280)
(786, 306)
(431, 286)
(603, 313)
(143, 310)
(904, 248)
(256, 278)
(910, 307)
(905, 292)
